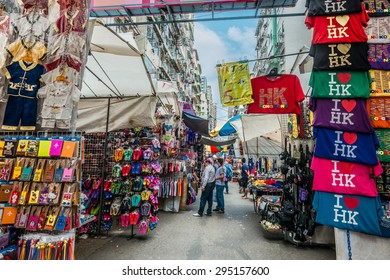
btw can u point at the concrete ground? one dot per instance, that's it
(235, 235)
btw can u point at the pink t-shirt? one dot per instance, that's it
(345, 177)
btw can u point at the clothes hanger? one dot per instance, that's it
(273, 73)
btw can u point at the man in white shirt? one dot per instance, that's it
(208, 182)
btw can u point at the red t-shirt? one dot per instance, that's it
(338, 29)
(276, 95)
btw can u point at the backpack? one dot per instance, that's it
(229, 171)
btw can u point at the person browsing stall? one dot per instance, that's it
(208, 181)
(244, 177)
(220, 185)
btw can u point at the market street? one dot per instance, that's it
(235, 235)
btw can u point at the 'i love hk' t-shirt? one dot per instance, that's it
(345, 177)
(278, 95)
(346, 146)
(348, 56)
(341, 114)
(333, 7)
(353, 212)
(340, 84)
(338, 28)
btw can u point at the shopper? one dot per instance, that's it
(220, 185)
(244, 178)
(228, 174)
(208, 181)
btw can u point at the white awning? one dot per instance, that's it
(166, 91)
(115, 67)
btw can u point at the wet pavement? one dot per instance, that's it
(235, 235)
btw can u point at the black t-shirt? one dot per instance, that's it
(333, 7)
(377, 8)
(350, 56)
(379, 55)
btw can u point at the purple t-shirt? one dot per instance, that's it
(341, 114)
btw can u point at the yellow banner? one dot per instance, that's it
(235, 84)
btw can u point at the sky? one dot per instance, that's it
(223, 41)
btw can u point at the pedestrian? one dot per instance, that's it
(244, 178)
(228, 174)
(208, 182)
(220, 185)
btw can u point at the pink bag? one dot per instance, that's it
(56, 147)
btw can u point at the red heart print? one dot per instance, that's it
(346, 167)
(344, 77)
(348, 105)
(350, 138)
(351, 202)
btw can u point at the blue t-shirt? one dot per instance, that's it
(245, 167)
(353, 212)
(346, 146)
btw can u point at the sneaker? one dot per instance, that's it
(215, 209)
(196, 215)
(221, 212)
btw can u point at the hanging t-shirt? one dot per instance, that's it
(380, 83)
(378, 56)
(341, 114)
(384, 144)
(356, 213)
(350, 56)
(345, 146)
(340, 84)
(378, 31)
(24, 79)
(377, 8)
(345, 177)
(338, 29)
(378, 109)
(333, 7)
(278, 95)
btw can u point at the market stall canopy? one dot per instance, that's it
(252, 126)
(115, 66)
(166, 92)
(222, 141)
(225, 128)
(121, 113)
(262, 146)
(195, 123)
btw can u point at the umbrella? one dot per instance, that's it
(225, 128)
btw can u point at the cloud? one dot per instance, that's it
(245, 37)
